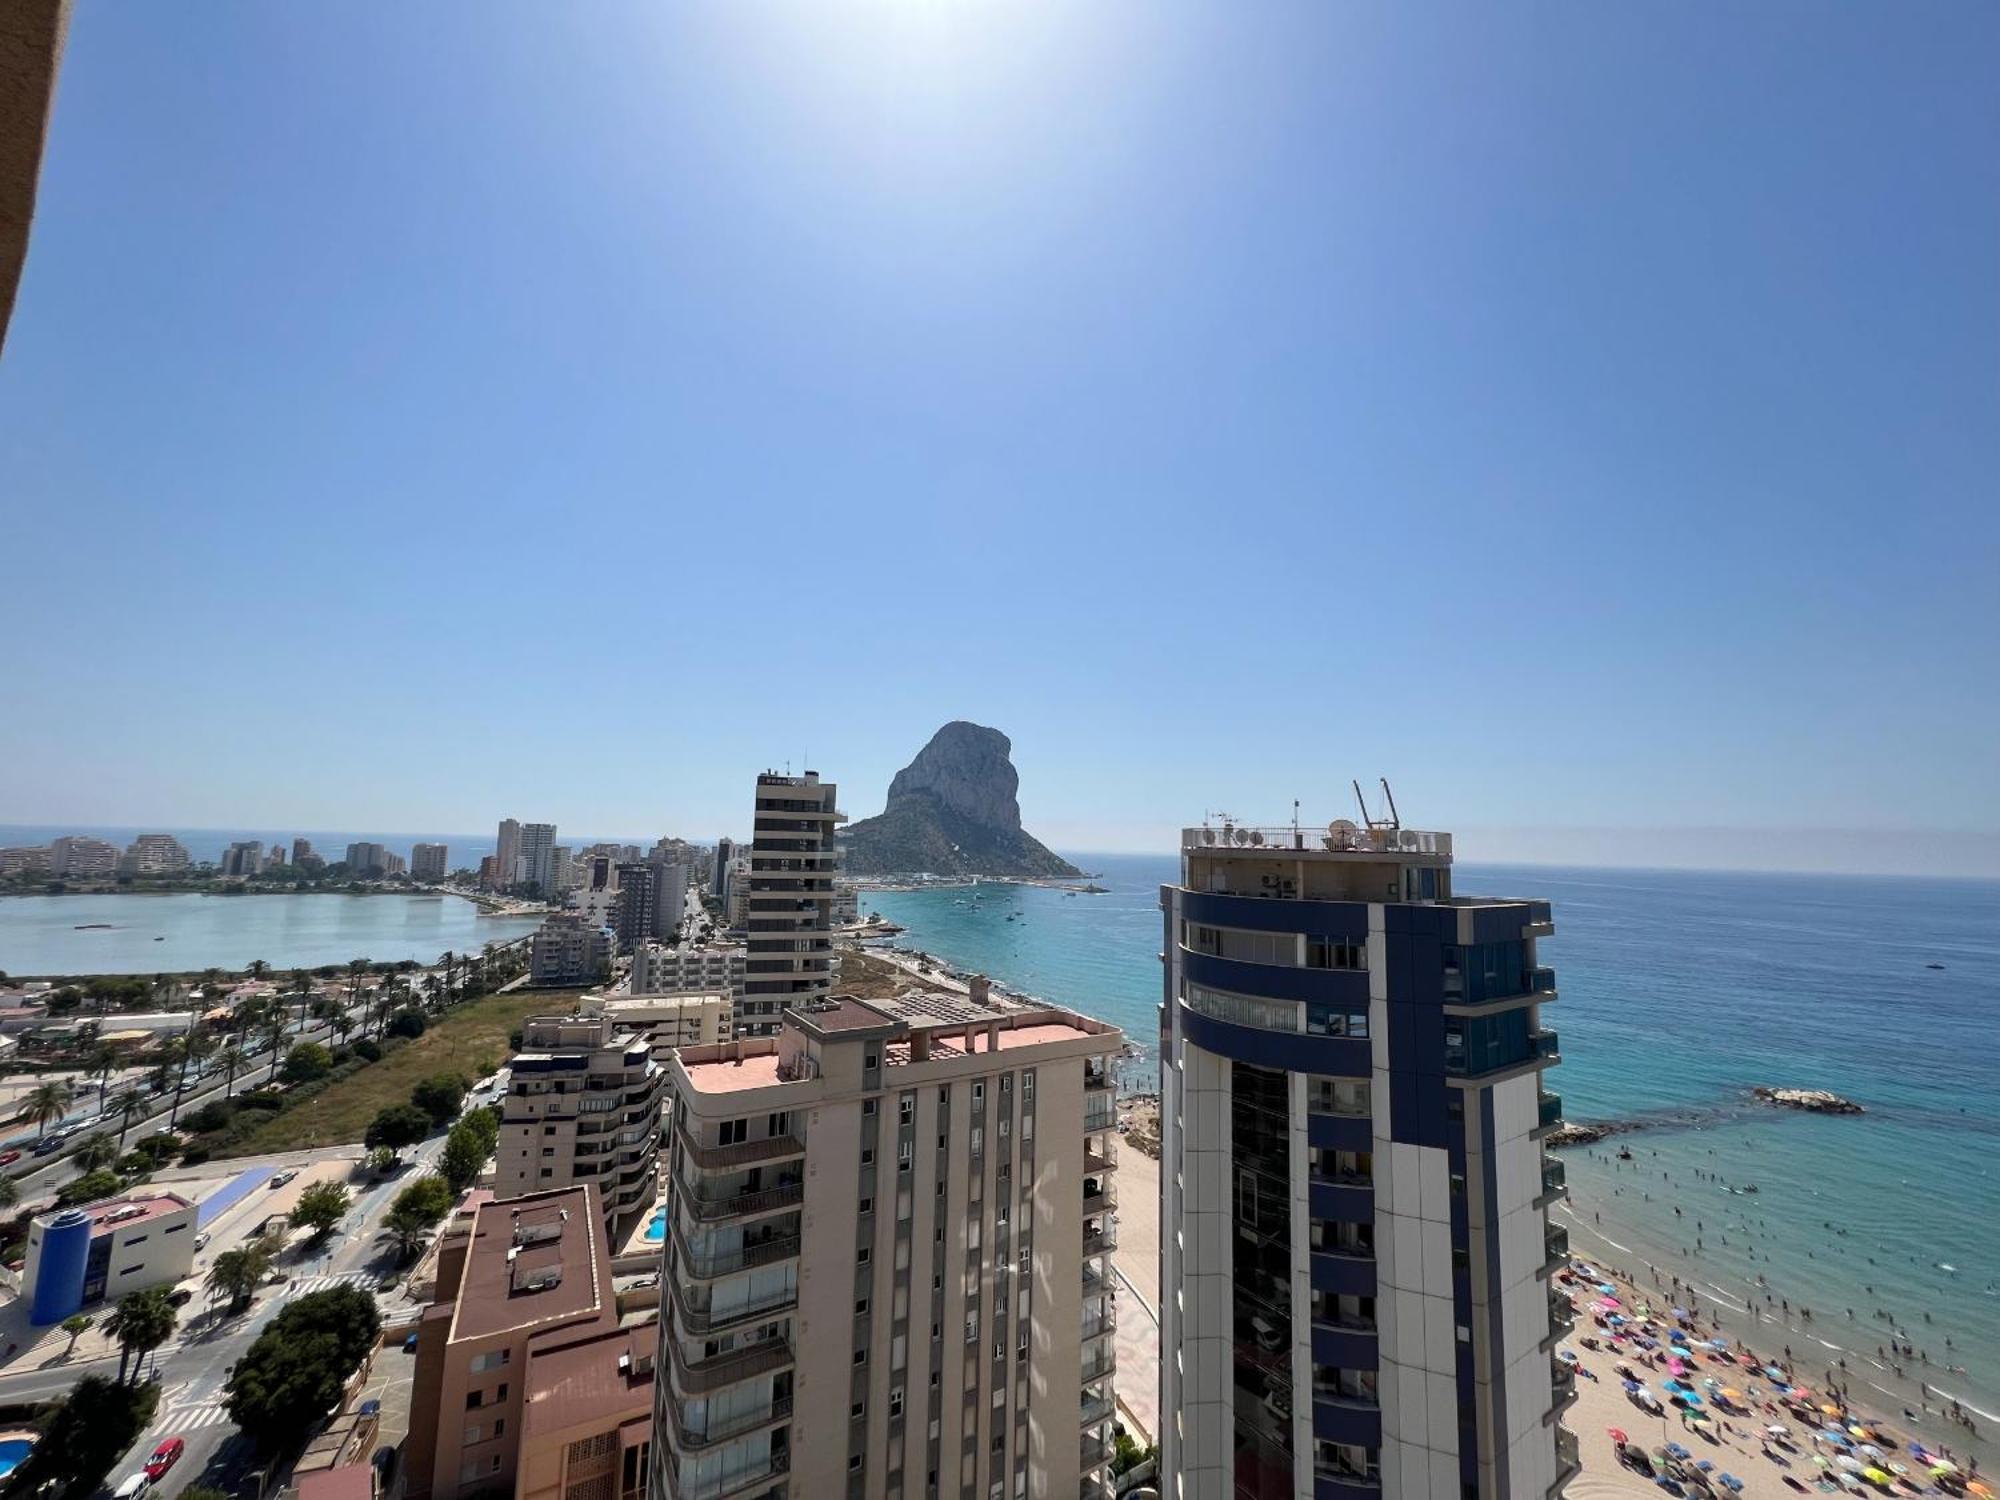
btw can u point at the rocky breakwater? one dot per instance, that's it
(1813, 1101)
(954, 811)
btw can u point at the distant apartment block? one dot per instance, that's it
(652, 902)
(243, 859)
(367, 861)
(846, 909)
(887, 1272)
(692, 1018)
(788, 917)
(1353, 1177)
(26, 859)
(537, 858)
(302, 850)
(718, 880)
(154, 854)
(429, 861)
(507, 855)
(527, 1381)
(582, 1105)
(81, 858)
(393, 865)
(567, 950)
(660, 970)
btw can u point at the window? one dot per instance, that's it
(779, 1124)
(906, 1109)
(1322, 953)
(734, 1132)
(860, 1306)
(496, 1360)
(979, 1091)
(1340, 1096)
(867, 1156)
(867, 1109)
(867, 1205)
(896, 1402)
(871, 1059)
(861, 1355)
(862, 1256)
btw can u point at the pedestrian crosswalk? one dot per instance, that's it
(300, 1285)
(178, 1420)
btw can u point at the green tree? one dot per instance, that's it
(129, 1103)
(439, 1096)
(48, 1103)
(236, 1274)
(296, 1371)
(232, 1061)
(467, 1148)
(10, 1192)
(407, 1023)
(418, 1209)
(76, 1325)
(89, 1433)
(397, 1126)
(91, 1186)
(101, 1065)
(141, 1322)
(320, 1208)
(306, 1062)
(94, 1151)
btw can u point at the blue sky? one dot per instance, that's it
(1585, 415)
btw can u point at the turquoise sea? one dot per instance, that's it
(1679, 992)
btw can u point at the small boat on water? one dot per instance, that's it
(91, 927)
(159, 939)
(1933, 966)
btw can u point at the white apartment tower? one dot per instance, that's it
(427, 861)
(507, 854)
(538, 858)
(788, 957)
(887, 1272)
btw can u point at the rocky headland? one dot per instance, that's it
(954, 811)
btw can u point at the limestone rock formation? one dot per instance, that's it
(953, 811)
(1815, 1101)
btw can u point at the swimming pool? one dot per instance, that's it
(656, 1227)
(12, 1451)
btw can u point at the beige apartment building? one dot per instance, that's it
(582, 1106)
(669, 1022)
(788, 919)
(527, 1378)
(888, 1269)
(660, 970)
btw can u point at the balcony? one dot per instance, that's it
(687, 1440)
(1097, 1407)
(1562, 1384)
(1549, 1108)
(1562, 1318)
(764, 1357)
(1555, 1242)
(739, 1205)
(706, 1320)
(1103, 1200)
(709, 1264)
(1099, 1113)
(1554, 1182)
(1546, 1045)
(734, 1481)
(1099, 1362)
(1096, 1162)
(1094, 1453)
(1097, 1241)
(1099, 1078)
(1100, 1324)
(1569, 1462)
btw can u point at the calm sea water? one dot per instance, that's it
(39, 934)
(1680, 991)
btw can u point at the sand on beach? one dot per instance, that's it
(1733, 1443)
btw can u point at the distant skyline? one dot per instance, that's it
(1585, 417)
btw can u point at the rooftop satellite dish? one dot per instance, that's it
(1208, 835)
(1340, 833)
(1240, 836)
(1256, 837)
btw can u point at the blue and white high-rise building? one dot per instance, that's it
(1355, 1243)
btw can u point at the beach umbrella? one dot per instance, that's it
(1680, 1312)
(1729, 1394)
(1848, 1462)
(1777, 1429)
(1675, 1450)
(1819, 1460)
(1871, 1450)
(1567, 1356)
(1633, 1387)
(1732, 1482)
(1617, 1434)
(1774, 1372)
(1876, 1476)
(1718, 1343)
(1861, 1432)
(1830, 1410)
(1943, 1466)
(1705, 1465)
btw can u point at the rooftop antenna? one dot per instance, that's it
(1295, 815)
(1395, 818)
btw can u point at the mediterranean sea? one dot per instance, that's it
(1680, 991)
(115, 934)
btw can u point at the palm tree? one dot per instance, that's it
(195, 1044)
(48, 1103)
(129, 1103)
(237, 1274)
(302, 991)
(450, 965)
(102, 1063)
(275, 1025)
(141, 1322)
(257, 968)
(232, 1060)
(356, 967)
(95, 1150)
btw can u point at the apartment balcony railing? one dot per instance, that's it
(764, 1357)
(1549, 1108)
(1541, 981)
(1100, 1361)
(1094, 1453)
(1098, 1161)
(1555, 1241)
(1554, 1180)
(733, 1481)
(1562, 1318)
(1102, 1201)
(1099, 1078)
(706, 1265)
(763, 1201)
(1103, 1323)
(1096, 1241)
(707, 1320)
(689, 1440)
(1546, 1044)
(1099, 1113)
(1562, 1383)
(1097, 1408)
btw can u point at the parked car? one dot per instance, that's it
(410, 1344)
(8, 1158)
(180, 1297)
(371, 1408)
(164, 1458)
(279, 1179)
(132, 1488)
(201, 1241)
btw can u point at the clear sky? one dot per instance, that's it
(1586, 415)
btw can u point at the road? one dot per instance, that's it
(193, 1367)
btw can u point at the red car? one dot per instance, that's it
(164, 1458)
(8, 1158)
